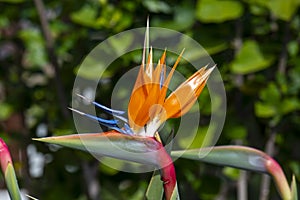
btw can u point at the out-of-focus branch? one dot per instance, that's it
(90, 174)
(283, 55)
(266, 179)
(237, 43)
(242, 191)
(52, 57)
(270, 145)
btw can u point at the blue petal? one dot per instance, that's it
(128, 130)
(112, 123)
(109, 122)
(162, 78)
(106, 109)
(103, 121)
(109, 110)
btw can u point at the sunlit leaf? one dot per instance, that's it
(250, 59)
(270, 94)
(264, 110)
(288, 105)
(231, 173)
(284, 10)
(86, 16)
(218, 11)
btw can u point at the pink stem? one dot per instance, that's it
(168, 174)
(276, 172)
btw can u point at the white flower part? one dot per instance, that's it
(149, 66)
(150, 129)
(153, 126)
(141, 132)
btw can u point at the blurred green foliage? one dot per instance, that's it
(255, 44)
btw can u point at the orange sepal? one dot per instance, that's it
(183, 98)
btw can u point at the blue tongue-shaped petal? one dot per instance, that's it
(109, 123)
(162, 78)
(106, 109)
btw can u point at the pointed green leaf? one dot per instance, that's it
(155, 189)
(112, 144)
(294, 189)
(12, 183)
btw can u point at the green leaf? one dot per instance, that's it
(157, 6)
(86, 16)
(270, 94)
(293, 48)
(250, 59)
(294, 189)
(232, 156)
(136, 149)
(264, 110)
(272, 103)
(217, 11)
(155, 188)
(35, 54)
(183, 19)
(5, 110)
(231, 173)
(12, 183)
(236, 132)
(289, 105)
(284, 10)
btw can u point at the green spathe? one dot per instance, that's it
(112, 144)
(12, 183)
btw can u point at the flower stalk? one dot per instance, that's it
(281, 183)
(168, 174)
